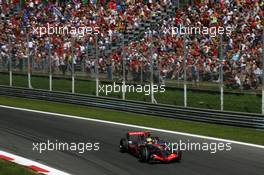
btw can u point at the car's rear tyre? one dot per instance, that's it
(144, 154)
(123, 145)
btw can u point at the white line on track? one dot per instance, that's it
(137, 126)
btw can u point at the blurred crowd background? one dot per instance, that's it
(154, 45)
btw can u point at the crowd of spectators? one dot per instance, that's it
(111, 17)
(242, 48)
(6, 6)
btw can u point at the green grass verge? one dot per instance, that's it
(9, 168)
(232, 102)
(221, 131)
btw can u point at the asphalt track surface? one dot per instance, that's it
(19, 129)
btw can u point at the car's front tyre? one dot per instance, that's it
(179, 155)
(144, 154)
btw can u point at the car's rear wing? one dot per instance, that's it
(145, 133)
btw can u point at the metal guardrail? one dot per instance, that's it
(169, 111)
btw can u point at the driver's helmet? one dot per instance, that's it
(155, 140)
(149, 140)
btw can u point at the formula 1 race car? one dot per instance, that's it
(149, 149)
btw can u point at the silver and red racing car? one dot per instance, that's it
(149, 149)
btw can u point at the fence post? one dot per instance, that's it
(28, 60)
(124, 69)
(72, 67)
(10, 64)
(184, 69)
(221, 75)
(151, 70)
(262, 72)
(50, 68)
(96, 66)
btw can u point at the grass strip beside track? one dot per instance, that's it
(9, 168)
(232, 102)
(213, 130)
